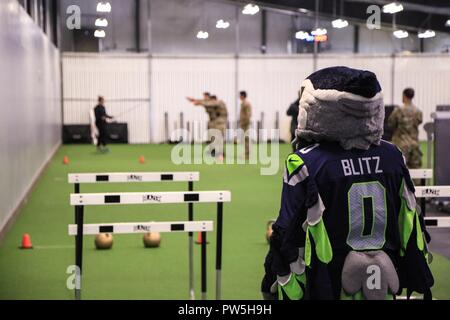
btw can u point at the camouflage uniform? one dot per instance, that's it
(222, 117)
(218, 117)
(210, 109)
(244, 121)
(405, 122)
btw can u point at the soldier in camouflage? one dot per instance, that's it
(218, 118)
(405, 123)
(221, 119)
(244, 120)
(210, 109)
(220, 123)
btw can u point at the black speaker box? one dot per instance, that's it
(117, 133)
(81, 133)
(76, 133)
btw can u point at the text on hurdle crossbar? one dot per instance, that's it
(432, 192)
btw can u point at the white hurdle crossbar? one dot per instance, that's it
(143, 227)
(80, 200)
(421, 173)
(124, 177)
(437, 222)
(432, 192)
(92, 199)
(134, 177)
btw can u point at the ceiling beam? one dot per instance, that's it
(407, 6)
(355, 12)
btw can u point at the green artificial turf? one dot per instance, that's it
(129, 271)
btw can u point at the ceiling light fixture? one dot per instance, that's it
(99, 33)
(103, 7)
(400, 34)
(319, 32)
(221, 24)
(250, 9)
(426, 34)
(101, 22)
(202, 35)
(301, 35)
(392, 8)
(339, 23)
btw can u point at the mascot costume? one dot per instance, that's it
(348, 226)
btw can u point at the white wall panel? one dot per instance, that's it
(272, 85)
(381, 65)
(30, 113)
(122, 79)
(429, 75)
(174, 79)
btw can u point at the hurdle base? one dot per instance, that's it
(77, 294)
(218, 284)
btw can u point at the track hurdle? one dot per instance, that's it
(80, 200)
(135, 177)
(423, 175)
(434, 192)
(437, 222)
(140, 227)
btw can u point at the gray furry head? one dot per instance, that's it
(341, 104)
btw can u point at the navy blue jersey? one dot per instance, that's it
(335, 201)
(359, 190)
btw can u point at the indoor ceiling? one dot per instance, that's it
(417, 14)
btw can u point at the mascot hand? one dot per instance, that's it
(291, 287)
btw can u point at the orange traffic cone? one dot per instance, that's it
(66, 160)
(26, 242)
(141, 160)
(199, 239)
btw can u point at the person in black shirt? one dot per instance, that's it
(293, 112)
(100, 123)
